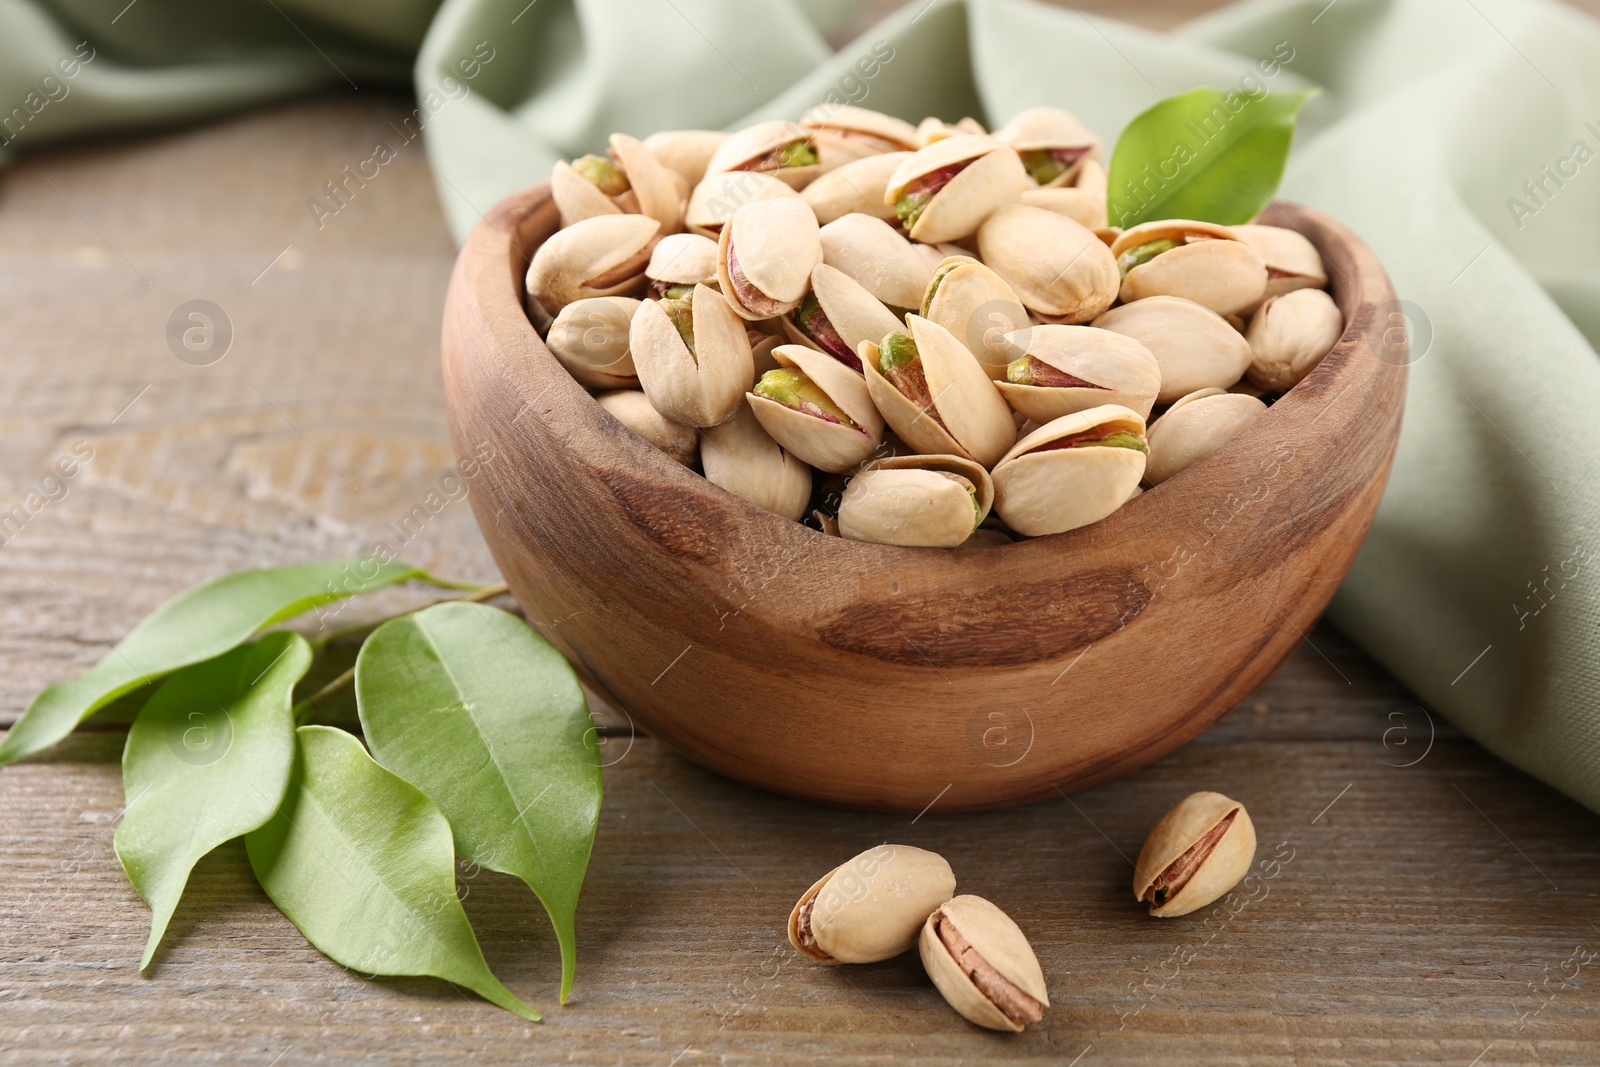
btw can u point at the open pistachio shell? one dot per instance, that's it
(964, 415)
(845, 133)
(1095, 367)
(686, 151)
(590, 339)
(652, 181)
(1289, 335)
(683, 259)
(959, 181)
(1040, 489)
(765, 254)
(977, 306)
(634, 410)
(600, 256)
(1053, 144)
(1292, 261)
(777, 148)
(983, 965)
(1196, 426)
(916, 501)
(738, 456)
(1204, 262)
(872, 252)
(855, 187)
(1080, 205)
(702, 387)
(848, 315)
(577, 198)
(871, 908)
(1195, 346)
(807, 430)
(1190, 858)
(1058, 268)
(718, 196)
(933, 129)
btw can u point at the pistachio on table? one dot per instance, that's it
(1201, 261)
(692, 356)
(1071, 471)
(818, 409)
(944, 192)
(978, 308)
(765, 254)
(740, 457)
(871, 907)
(1196, 426)
(590, 339)
(1289, 335)
(1196, 853)
(634, 410)
(1059, 269)
(983, 965)
(916, 501)
(1062, 369)
(1195, 347)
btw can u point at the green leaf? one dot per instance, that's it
(363, 864)
(192, 627)
(486, 717)
(206, 761)
(1211, 155)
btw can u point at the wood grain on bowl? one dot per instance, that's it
(883, 677)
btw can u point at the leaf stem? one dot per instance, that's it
(481, 593)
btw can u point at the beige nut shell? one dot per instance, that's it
(978, 308)
(907, 500)
(717, 196)
(634, 410)
(873, 906)
(1001, 943)
(686, 151)
(1221, 272)
(1052, 491)
(855, 314)
(753, 142)
(1289, 335)
(872, 252)
(1124, 371)
(1195, 346)
(994, 177)
(702, 388)
(1293, 262)
(1229, 860)
(828, 446)
(1058, 268)
(590, 339)
(740, 457)
(683, 259)
(776, 243)
(855, 187)
(572, 259)
(1196, 426)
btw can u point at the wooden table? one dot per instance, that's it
(1432, 905)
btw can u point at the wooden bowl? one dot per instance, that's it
(893, 678)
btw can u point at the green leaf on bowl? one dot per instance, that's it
(207, 760)
(363, 864)
(484, 716)
(192, 627)
(1212, 155)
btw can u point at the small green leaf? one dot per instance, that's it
(194, 626)
(206, 761)
(363, 864)
(1211, 155)
(486, 717)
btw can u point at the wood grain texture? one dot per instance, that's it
(881, 677)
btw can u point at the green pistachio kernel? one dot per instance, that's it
(603, 173)
(678, 292)
(1142, 254)
(909, 207)
(793, 389)
(896, 350)
(1020, 371)
(933, 287)
(681, 311)
(1043, 166)
(797, 154)
(1122, 439)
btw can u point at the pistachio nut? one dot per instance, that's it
(634, 410)
(1058, 268)
(844, 133)
(944, 192)
(718, 196)
(1195, 346)
(1289, 335)
(777, 148)
(1052, 142)
(933, 129)
(600, 256)
(1092, 180)
(837, 315)
(1071, 471)
(871, 907)
(817, 408)
(692, 357)
(1085, 208)
(885, 264)
(983, 964)
(1196, 426)
(986, 537)
(1063, 369)
(738, 456)
(765, 254)
(855, 187)
(1202, 261)
(1293, 262)
(978, 308)
(762, 347)
(916, 501)
(686, 151)
(629, 179)
(936, 394)
(590, 339)
(1197, 852)
(681, 259)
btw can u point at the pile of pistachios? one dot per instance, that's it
(915, 335)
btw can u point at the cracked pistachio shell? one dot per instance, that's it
(653, 182)
(1045, 491)
(977, 306)
(828, 446)
(1184, 826)
(1293, 262)
(855, 314)
(718, 196)
(1086, 208)
(683, 259)
(992, 177)
(1119, 369)
(577, 198)
(914, 501)
(845, 133)
(601, 256)
(1001, 945)
(686, 151)
(1195, 346)
(1196, 426)
(872, 907)
(749, 149)
(590, 339)
(738, 456)
(933, 129)
(700, 388)
(634, 410)
(1210, 265)
(762, 347)
(855, 187)
(775, 243)
(966, 416)
(872, 252)
(1048, 128)
(1058, 268)
(1289, 335)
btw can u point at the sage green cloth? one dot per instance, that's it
(1459, 140)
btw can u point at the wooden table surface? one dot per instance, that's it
(1431, 904)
